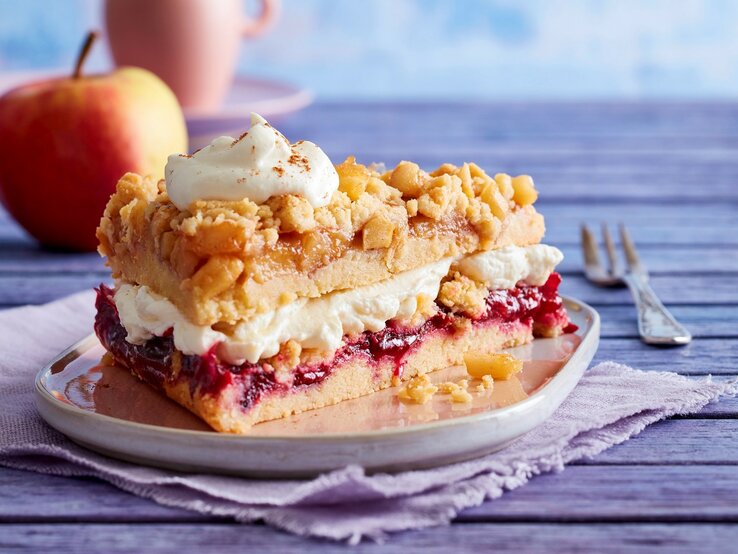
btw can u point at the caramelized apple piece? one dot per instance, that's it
(498, 366)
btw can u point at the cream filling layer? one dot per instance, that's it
(506, 267)
(318, 323)
(321, 323)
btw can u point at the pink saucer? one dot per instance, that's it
(271, 99)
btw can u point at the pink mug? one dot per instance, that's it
(191, 44)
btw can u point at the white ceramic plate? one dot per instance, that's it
(108, 410)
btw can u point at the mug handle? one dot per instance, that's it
(270, 10)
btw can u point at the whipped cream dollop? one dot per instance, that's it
(505, 267)
(319, 323)
(258, 165)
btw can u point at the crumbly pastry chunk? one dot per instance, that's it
(464, 295)
(419, 390)
(458, 392)
(487, 384)
(461, 396)
(223, 261)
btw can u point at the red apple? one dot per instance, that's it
(64, 143)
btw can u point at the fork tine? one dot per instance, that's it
(631, 254)
(612, 255)
(589, 248)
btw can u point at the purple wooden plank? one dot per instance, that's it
(662, 230)
(479, 139)
(71, 499)
(555, 168)
(647, 237)
(660, 215)
(17, 289)
(702, 357)
(681, 441)
(583, 493)
(620, 493)
(684, 538)
(490, 124)
(702, 321)
(635, 477)
(666, 228)
(672, 289)
(418, 120)
(705, 321)
(35, 260)
(625, 493)
(659, 259)
(638, 214)
(663, 223)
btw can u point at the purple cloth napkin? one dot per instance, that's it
(611, 404)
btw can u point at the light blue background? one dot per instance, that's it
(448, 49)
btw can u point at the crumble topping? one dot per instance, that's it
(215, 258)
(376, 205)
(457, 391)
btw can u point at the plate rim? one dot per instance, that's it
(298, 98)
(43, 394)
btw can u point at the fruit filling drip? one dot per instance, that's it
(157, 360)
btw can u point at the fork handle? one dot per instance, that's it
(656, 325)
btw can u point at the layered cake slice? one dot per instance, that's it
(259, 280)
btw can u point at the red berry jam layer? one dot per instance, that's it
(154, 360)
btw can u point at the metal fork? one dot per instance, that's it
(656, 325)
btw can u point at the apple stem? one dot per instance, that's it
(83, 52)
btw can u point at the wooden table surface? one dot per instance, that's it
(668, 170)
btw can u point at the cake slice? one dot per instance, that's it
(258, 280)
